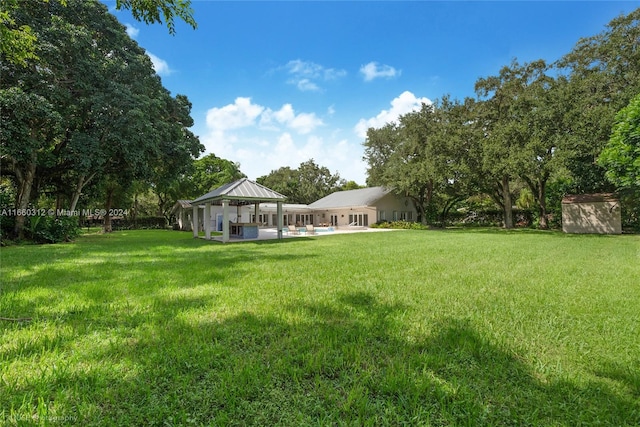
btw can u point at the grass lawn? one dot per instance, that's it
(480, 327)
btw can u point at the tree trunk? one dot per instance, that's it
(508, 205)
(542, 203)
(78, 190)
(106, 227)
(539, 190)
(25, 184)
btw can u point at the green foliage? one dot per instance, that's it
(630, 203)
(621, 156)
(604, 75)
(308, 183)
(400, 225)
(390, 328)
(424, 156)
(52, 229)
(17, 42)
(140, 223)
(155, 11)
(351, 185)
(120, 125)
(534, 123)
(209, 173)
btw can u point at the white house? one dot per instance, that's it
(246, 206)
(362, 207)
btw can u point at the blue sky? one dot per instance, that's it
(277, 83)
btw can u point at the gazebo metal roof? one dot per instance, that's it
(241, 192)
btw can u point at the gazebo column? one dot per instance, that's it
(194, 221)
(279, 221)
(207, 220)
(256, 212)
(225, 221)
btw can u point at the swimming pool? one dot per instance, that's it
(303, 230)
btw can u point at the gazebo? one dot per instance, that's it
(238, 193)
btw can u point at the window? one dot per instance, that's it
(359, 219)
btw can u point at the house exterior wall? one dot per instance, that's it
(592, 217)
(342, 217)
(387, 208)
(391, 208)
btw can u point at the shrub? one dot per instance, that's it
(404, 225)
(52, 229)
(139, 223)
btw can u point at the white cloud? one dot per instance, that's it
(306, 75)
(241, 113)
(302, 123)
(132, 31)
(160, 65)
(373, 70)
(259, 156)
(305, 123)
(305, 85)
(262, 139)
(403, 104)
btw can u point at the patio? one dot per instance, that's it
(271, 233)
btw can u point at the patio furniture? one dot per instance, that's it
(293, 230)
(310, 229)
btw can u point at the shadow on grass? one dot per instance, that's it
(323, 363)
(114, 268)
(528, 231)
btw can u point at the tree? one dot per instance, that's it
(119, 124)
(29, 126)
(604, 75)
(305, 185)
(621, 155)
(154, 11)
(211, 172)
(18, 43)
(177, 148)
(283, 180)
(421, 157)
(316, 182)
(544, 153)
(509, 145)
(379, 146)
(351, 185)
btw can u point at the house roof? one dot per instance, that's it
(590, 198)
(344, 199)
(184, 204)
(286, 207)
(242, 191)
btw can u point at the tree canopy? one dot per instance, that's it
(304, 185)
(534, 125)
(90, 108)
(621, 155)
(18, 42)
